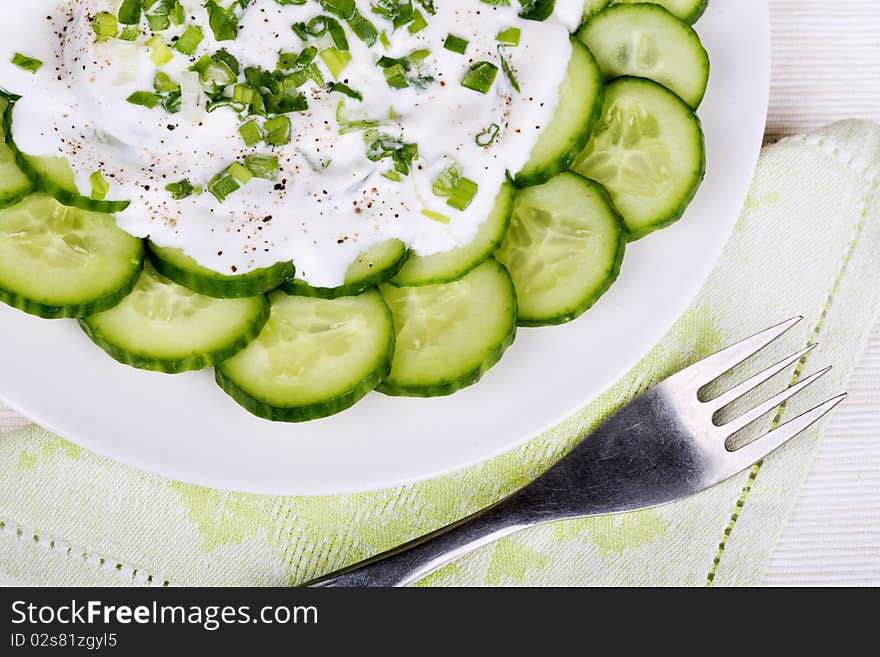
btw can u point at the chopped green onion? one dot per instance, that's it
(161, 54)
(436, 216)
(307, 56)
(337, 33)
(455, 44)
(339, 87)
(463, 195)
(213, 69)
(508, 72)
(251, 133)
(509, 37)
(446, 181)
(144, 98)
(536, 10)
(363, 28)
(399, 12)
(335, 60)
(177, 14)
(244, 94)
(158, 22)
(230, 61)
(130, 33)
(395, 76)
(418, 23)
(459, 191)
(240, 172)
(287, 60)
(485, 138)
(130, 12)
(100, 186)
(162, 82)
(105, 25)
(277, 131)
(182, 189)
(190, 39)
(320, 25)
(343, 9)
(419, 54)
(262, 166)
(171, 101)
(222, 185)
(26, 63)
(480, 77)
(384, 40)
(400, 153)
(223, 22)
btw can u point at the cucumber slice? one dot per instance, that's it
(648, 152)
(375, 265)
(647, 41)
(314, 358)
(687, 10)
(14, 185)
(449, 334)
(175, 265)
(563, 249)
(57, 261)
(579, 108)
(452, 265)
(54, 176)
(165, 327)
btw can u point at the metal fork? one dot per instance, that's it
(662, 446)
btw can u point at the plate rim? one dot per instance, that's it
(170, 468)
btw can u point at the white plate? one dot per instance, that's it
(185, 428)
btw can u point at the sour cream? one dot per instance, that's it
(330, 202)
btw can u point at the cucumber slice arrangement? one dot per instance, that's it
(687, 10)
(175, 265)
(57, 261)
(622, 156)
(53, 175)
(14, 185)
(647, 41)
(563, 249)
(375, 265)
(450, 334)
(451, 265)
(165, 327)
(647, 151)
(315, 357)
(580, 103)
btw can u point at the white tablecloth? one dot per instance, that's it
(826, 66)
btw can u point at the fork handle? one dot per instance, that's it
(414, 560)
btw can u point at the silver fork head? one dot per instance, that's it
(666, 444)
(682, 391)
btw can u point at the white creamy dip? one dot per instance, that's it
(329, 201)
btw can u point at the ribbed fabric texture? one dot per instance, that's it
(833, 534)
(826, 64)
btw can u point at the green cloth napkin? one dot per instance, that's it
(808, 243)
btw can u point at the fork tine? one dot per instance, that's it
(711, 367)
(753, 382)
(748, 417)
(761, 447)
